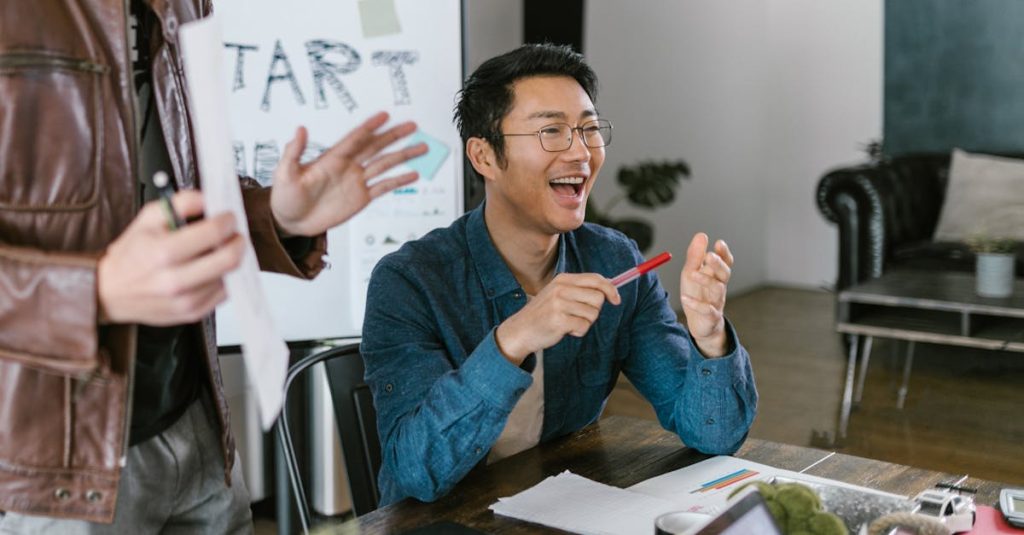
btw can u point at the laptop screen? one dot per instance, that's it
(748, 515)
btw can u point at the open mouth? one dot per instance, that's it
(568, 186)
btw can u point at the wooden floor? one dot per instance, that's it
(964, 412)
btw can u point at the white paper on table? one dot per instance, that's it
(681, 486)
(263, 349)
(573, 503)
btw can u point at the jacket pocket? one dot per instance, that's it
(51, 131)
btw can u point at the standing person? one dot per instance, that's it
(510, 332)
(112, 414)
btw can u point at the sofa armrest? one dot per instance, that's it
(880, 207)
(849, 198)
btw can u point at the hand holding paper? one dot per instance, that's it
(156, 276)
(265, 353)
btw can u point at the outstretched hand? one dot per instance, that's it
(308, 199)
(702, 287)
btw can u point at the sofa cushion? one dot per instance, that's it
(947, 256)
(984, 196)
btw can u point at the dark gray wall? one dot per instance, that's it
(954, 75)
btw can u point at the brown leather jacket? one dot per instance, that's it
(68, 187)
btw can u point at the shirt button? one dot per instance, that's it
(705, 372)
(710, 421)
(389, 387)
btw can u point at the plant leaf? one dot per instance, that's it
(652, 184)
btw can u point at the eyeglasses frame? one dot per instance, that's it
(572, 138)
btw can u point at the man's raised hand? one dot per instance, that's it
(702, 288)
(308, 199)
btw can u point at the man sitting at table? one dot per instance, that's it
(503, 330)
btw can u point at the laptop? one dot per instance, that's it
(748, 515)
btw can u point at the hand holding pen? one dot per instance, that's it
(568, 305)
(156, 275)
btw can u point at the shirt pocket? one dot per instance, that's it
(597, 365)
(51, 131)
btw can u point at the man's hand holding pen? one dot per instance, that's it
(568, 305)
(158, 276)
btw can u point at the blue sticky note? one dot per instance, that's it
(428, 164)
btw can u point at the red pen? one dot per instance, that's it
(634, 273)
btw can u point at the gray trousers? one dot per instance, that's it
(173, 483)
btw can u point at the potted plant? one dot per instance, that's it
(994, 269)
(648, 184)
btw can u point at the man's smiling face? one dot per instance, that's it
(545, 191)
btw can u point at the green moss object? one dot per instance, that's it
(797, 509)
(982, 243)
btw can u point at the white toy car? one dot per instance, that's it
(951, 508)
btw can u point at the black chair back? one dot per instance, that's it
(357, 427)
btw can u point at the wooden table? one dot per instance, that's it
(623, 451)
(922, 306)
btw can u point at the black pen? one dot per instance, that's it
(162, 182)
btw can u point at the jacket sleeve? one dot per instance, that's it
(436, 421)
(709, 403)
(299, 257)
(48, 310)
(49, 300)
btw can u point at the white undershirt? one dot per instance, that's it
(524, 424)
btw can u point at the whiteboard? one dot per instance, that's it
(328, 65)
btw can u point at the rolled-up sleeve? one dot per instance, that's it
(709, 403)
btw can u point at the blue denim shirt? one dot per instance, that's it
(443, 391)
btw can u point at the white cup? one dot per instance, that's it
(679, 523)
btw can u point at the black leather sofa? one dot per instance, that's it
(886, 213)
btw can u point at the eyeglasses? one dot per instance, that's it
(557, 137)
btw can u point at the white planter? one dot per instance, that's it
(995, 274)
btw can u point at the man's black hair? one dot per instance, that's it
(487, 95)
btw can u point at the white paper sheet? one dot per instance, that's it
(264, 351)
(686, 487)
(573, 503)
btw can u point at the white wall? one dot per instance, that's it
(760, 97)
(492, 28)
(681, 80)
(824, 103)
